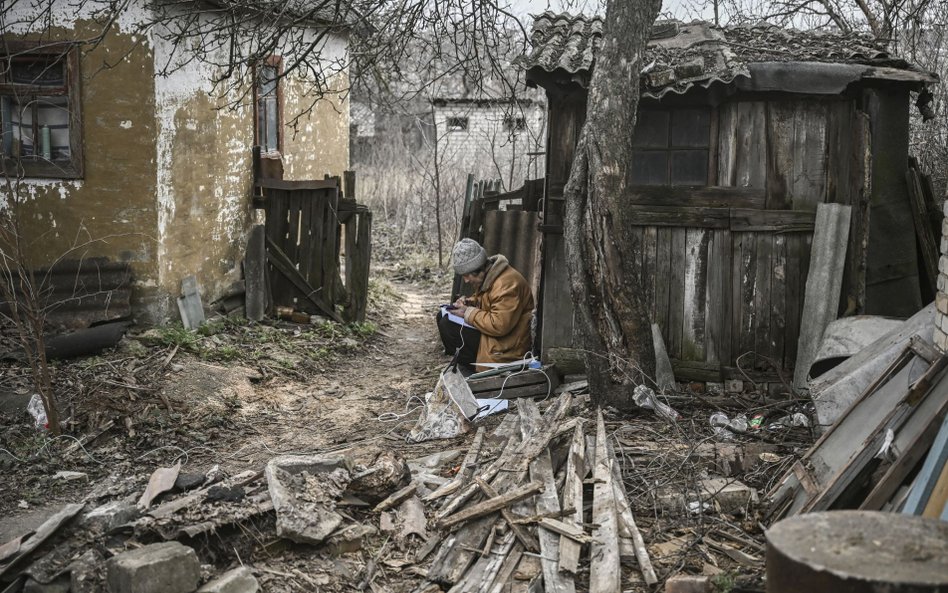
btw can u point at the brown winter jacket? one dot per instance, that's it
(502, 311)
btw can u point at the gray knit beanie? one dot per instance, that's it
(468, 257)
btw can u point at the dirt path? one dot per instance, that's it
(367, 396)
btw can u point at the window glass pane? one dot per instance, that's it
(52, 118)
(273, 125)
(6, 125)
(40, 71)
(268, 81)
(691, 127)
(649, 167)
(651, 129)
(689, 167)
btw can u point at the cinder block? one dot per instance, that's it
(734, 386)
(941, 340)
(238, 580)
(944, 244)
(684, 583)
(941, 302)
(942, 283)
(168, 567)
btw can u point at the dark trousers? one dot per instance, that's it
(455, 336)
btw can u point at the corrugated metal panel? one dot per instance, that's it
(514, 234)
(80, 293)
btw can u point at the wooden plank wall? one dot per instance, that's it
(723, 282)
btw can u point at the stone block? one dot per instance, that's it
(684, 583)
(730, 496)
(168, 567)
(943, 264)
(238, 580)
(944, 244)
(942, 283)
(715, 388)
(734, 386)
(942, 322)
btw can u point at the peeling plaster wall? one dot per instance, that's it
(317, 143)
(110, 211)
(203, 181)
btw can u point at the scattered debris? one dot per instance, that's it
(162, 480)
(645, 398)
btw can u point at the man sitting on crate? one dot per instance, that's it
(496, 317)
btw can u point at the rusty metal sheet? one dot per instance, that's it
(514, 234)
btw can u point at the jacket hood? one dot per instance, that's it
(498, 263)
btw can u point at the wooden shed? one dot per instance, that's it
(741, 132)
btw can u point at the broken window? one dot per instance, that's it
(269, 136)
(457, 124)
(39, 110)
(670, 147)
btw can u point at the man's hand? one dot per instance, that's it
(460, 307)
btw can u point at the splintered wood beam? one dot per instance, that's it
(627, 526)
(523, 536)
(573, 499)
(467, 469)
(553, 581)
(397, 498)
(568, 530)
(605, 568)
(492, 505)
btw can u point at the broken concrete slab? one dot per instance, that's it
(111, 515)
(237, 580)
(304, 491)
(168, 567)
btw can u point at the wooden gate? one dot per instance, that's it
(306, 223)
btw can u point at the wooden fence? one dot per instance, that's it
(310, 227)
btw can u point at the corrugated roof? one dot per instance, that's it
(681, 55)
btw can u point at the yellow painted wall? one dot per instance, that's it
(319, 142)
(111, 211)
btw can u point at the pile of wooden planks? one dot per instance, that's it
(866, 458)
(522, 522)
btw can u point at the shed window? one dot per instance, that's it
(269, 136)
(670, 147)
(39, 111)
(457, 124)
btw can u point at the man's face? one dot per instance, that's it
(474, 279)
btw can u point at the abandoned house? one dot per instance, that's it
(129, 149)
(501, 138)
(741, 132)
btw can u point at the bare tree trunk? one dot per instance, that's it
(601, 247)
(437, 189)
